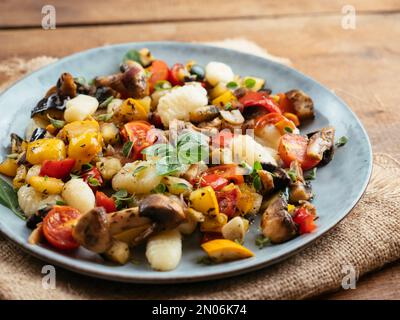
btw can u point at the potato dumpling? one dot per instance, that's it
(78, 195)
(80, 107)
(217, 72)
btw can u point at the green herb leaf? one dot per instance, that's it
(106, 102)
(120, 194)
(59, 124)
(162, 85)
(342, 141)
(138, 169)
(127, 148)
(60, 203)
(123, 200)
(311, 174)
(257, 165)
(292, 175)
(93, 182)
(80, 80)
(262, 241)
(257, 183)
(104, 117)
(161, 188)
(132, 55)
(232, 85)
(228, 106)
(87, 167)
(9, 198)
(249, 83)
(288, 129)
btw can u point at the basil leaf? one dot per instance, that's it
(257, 165)
(132, 55)
(292, 175)
(120, 194)
(59, 124)
(60, 203)
(93, 182)
(9, 198)
(87, 167)
(257, 183)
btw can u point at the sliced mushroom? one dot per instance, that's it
(92, 230)
(126, 219)
(280, 176)
(321, 145)
(53, 105)
(276, 223)
(206, 113)
(16, 143)
(233, 117)
(195, 170)
(66, 86)
(130, 83)
(299, 190)
(165, 211)
(302, 104)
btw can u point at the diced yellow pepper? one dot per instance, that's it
(223, 99)
(214, 223)
(9, 167)
(146, 103)
(291, 208)
(77, 128)
(45, 149)
(19, 179)
(84, 148)
(205, 201)
(218, 90)
(131, 110)
(221, 250)
(46, 185)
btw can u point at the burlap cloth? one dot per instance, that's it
(367, 239)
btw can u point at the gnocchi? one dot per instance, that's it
(78, 195)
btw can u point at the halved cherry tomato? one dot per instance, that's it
(305, 220)
(214, 180)
(106, 202)
(227, 201)
(294, 147)
(292, 117)
(284, 103)
(261, 99)
(227, 171)
(282, 123)
(59, 169)
(208, 236)
(176, 74)
(58, 226)
(93, 178)
(139, 133)
(159, 71)
(222, 139)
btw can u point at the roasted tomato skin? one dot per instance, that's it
(140, 133)
(294, 147)
(176, 74)
(305, 220)
(261, 99)
(159, 71)
(102, 200)
(227, 171)
(58, 226)
(214, 180)
(227, 201)
(93, 178)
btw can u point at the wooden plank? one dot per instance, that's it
(76, 12)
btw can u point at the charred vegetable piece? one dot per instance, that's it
(276, 223)
(321, 145)
(66, 86)
(302, 104)
(280, 177)
(38, 133)
(53, 102)
(299, 190)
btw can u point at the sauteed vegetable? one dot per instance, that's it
(154, 153)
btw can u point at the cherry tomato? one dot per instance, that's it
(59, 169)
(214, 180)
(139, 133)
(159, 71)
(305, 220)
(284, 103)
(269, 118)
(58, 226)
(227, 201)
(294, 147)
(106, 202)
(177, 74)
(261, 99)
(93, 178)
(227, 171)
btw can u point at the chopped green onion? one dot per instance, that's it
(106, 102)
(289, 130)
(262, 241)
(342, 141)
(249, 83)
(232, 85)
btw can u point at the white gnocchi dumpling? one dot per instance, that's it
(139, 177)
(246, 149)
(78, 195)
(164, 250)
(80, 107)
(30, 201)
(180, 102)
(217, 72)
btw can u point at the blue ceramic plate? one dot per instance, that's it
(338, 187)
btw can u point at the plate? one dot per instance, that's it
(338, 186)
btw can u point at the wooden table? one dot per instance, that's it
(362, 65)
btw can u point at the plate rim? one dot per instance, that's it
(58, 259)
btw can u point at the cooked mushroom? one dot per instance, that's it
(299, 190)
(321, 145)
(131, 83)
(195, 170)
(202, 114)
(16, 143)
(53, 105)
(276, 223)
(66, 86)
(302, 104)
(38, 133)
(166, 212)
(126, 219)
(92, 230)
(280, 176)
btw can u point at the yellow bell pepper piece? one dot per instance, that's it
(214, 223)
(45, 149)
(221, 250)
(130, 110)
(223, 99)
(84, 147)
(19, 179)
(77, 128)
(291, 208)
(9, 167)
(46, 185)
(218, 90)
(205, 201)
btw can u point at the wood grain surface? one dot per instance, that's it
(362, 66)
